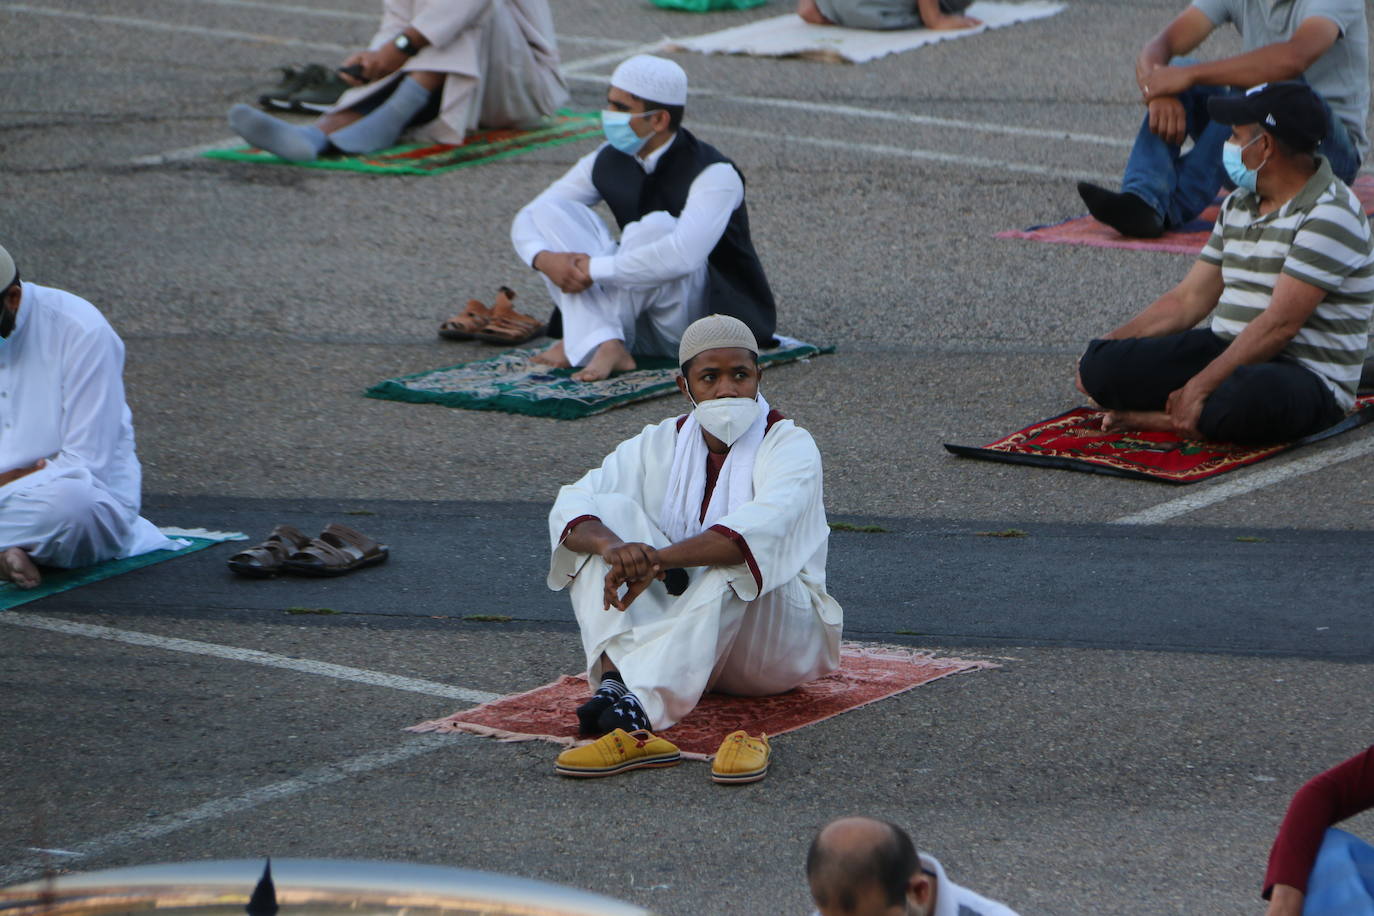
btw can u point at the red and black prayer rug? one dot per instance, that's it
(867, 674)
(1074, 441)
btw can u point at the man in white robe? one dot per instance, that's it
(732, 495)
(685, 247)
(445, 66)
(69, 478)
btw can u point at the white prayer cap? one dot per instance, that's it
(715, 332)
(655, 79)
(7, 271)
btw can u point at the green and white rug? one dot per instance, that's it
(511, 382)
(436, 158)
(61, 580)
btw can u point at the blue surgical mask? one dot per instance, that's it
(1240, 176)
(616, 126)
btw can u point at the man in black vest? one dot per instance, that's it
(684, 250)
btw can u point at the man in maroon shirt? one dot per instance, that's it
(1341, 792)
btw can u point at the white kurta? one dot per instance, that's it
(757, 628)
(499, 57)
(651, 284)
(62, 398)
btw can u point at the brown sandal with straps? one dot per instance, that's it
(338, 550)
(467, 323)
(507, 326)
(268, 558)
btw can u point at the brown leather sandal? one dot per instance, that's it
(466, 324)
(338, 550)
(508, 327)
(268, 558)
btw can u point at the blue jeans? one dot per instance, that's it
(1181, 185)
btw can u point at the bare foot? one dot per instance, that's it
(609, 357)
(553, 356)
(811, 13)
(1143, 421)
(16, 566)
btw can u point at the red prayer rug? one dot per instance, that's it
(1188, 239)
(1074, 441)
(867, 674)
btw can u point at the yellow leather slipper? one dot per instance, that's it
(617, 752)
(741, 758)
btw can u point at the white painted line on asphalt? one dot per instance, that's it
(290, 8)
(571, 67)
(1247, 484)
(878, 114)
(186, 152)
(594, 41)
(907, 152)
(233, 804)
(253, 656)
(171, 27)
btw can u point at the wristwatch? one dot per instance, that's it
(405, 45)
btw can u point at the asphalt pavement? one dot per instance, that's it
(1174, 661)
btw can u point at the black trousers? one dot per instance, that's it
(1257, 405)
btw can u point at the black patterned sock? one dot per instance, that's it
(612, 688)
(626, 713)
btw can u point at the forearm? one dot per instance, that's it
(591, 536)
(929, 10)
(1285, 901)
(1169, 314)
(710, 548)
(1156, 53)
(1268, 64)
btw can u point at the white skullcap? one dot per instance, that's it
(655, 79)
(715, 332)
(7, 271)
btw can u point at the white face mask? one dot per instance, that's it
(727, 418)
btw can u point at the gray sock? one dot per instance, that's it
(380, 128)
(289, 141)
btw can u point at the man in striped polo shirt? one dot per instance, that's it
(1288, 279)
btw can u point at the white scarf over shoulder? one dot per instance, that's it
(680, 515)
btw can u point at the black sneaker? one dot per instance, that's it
(278, 97)
(1125, 212)
(320, 87)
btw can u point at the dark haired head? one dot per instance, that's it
(853, 853)
(675, 112)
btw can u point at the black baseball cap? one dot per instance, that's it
(1289, 110)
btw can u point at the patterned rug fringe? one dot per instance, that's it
(869, 652)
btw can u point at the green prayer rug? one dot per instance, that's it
(511, 382)
(435, 158)
(61, 580)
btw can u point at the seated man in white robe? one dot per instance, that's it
(695, 555)
(445, 67)
(69, 478)
(685, 249)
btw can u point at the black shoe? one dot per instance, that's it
(589, 712)
(625, 713)
(1125, 212)
(278, 98)
(319, 89)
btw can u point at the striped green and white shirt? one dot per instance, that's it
(1320, 237)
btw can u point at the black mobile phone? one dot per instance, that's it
(353, 70)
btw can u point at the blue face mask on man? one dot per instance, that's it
(1240, 176)
(616, 126)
